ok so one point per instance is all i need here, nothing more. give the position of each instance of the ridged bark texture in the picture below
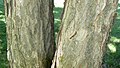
(30, 37)
(84, 32)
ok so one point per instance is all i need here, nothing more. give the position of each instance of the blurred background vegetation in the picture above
(111, 58)
(3, 45)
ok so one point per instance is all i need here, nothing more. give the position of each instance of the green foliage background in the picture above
(112, 56)
(3, 45)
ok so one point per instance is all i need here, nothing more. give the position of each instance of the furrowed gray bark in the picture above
(30, 37)
(84, 33)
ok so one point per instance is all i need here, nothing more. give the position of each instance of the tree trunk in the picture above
(84, 33)
(30, 37)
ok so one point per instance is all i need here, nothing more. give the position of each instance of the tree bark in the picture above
(84, 33)
(30, 37)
